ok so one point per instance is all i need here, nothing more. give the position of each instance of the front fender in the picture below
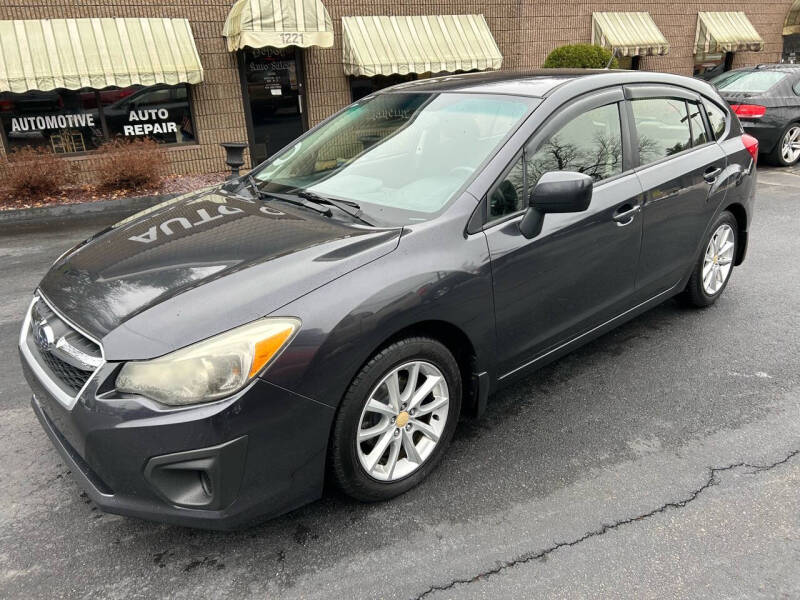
(436, 274)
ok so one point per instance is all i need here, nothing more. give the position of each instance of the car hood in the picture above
(200, 264)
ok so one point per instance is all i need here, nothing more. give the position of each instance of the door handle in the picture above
(710, 174)
(624, 214)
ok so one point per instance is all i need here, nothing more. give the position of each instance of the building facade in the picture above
(284, 65)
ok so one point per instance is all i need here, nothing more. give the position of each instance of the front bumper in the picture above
(264, 449)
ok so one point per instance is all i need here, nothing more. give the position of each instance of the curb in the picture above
(118, 207)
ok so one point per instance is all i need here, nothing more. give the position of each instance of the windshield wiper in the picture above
(254, 186)
(343, 205)
(315, 206)
(262, 195)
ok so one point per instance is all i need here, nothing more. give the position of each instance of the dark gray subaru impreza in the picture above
(332, 313)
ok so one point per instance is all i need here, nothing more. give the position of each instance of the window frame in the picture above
(725, 111)
(107, 136)
(701, 110)
(555, 121)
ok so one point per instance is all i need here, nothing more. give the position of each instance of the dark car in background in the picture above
(766, 99)
(332, 313)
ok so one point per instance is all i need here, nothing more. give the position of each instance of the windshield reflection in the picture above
(401, 156)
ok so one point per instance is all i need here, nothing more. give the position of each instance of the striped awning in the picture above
(421, 44)
(725, 32)
(792, 23)
(628, 33)
(96, 53)
(278, 23)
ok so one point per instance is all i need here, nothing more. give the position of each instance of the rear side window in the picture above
(716, 117)
(754, 82)
(662, 126)
(699, 133)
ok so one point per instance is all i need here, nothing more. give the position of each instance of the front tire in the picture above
(715, 265)
(787, 151)
(396, 419)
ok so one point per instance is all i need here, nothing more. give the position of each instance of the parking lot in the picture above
(661, 460)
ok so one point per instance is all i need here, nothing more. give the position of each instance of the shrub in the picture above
(130, 164)
(579, 56)
(31, 172)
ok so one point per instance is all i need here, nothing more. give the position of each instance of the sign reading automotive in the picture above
(152, 114)
(51, 122)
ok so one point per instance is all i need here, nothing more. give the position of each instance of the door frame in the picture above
(299, 58)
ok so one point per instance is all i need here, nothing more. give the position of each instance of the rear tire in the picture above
(413, 389)
(787, 150)
(714, 267)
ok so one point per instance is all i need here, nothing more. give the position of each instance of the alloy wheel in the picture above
(790, 145)
(718, 259)
(402, 421)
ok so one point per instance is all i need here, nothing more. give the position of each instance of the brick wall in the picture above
(525, 30)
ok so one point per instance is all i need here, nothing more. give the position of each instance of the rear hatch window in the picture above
(747, 82)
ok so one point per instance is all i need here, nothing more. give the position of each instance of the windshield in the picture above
(748, 81)
(400, 156)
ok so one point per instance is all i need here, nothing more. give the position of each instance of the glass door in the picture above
(273, 78)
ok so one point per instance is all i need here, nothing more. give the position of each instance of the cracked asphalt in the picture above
(660, 461)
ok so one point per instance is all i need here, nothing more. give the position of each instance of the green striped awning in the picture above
(628, 33)
(421, 44)
(96, 53)
(278, 23)
(725, 32)
(792, 23)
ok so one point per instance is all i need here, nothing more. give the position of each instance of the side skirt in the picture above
(584, 338)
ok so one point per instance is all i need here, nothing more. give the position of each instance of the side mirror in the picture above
(556, 192)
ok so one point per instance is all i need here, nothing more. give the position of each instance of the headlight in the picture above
(211, 369)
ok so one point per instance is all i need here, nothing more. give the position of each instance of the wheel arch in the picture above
(740, 214)
(455, 340)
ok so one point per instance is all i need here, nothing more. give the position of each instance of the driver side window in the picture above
(591, 143)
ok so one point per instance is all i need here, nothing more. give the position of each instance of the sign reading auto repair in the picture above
(149, 121)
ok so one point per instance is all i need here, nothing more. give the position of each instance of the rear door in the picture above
(580, 270)
(679, 169)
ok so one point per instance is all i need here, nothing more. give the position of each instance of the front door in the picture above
(273, 82)
(580, 270)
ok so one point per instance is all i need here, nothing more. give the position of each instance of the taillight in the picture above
(751, 145)
(749, 111)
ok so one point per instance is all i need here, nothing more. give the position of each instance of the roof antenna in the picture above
(610, 60)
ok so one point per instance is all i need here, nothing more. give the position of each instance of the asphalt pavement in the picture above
(660, 461)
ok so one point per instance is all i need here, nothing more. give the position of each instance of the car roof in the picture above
(768, 67)
(544, 82)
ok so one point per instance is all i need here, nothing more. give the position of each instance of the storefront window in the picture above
(161, 114)
(629, 63)
(67, 122)
(364, 86)
(791, 48)
(707, 66)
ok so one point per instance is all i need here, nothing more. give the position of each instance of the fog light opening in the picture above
(205, 481)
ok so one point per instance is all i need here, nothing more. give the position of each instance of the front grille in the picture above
(73, 377)
(69, 356)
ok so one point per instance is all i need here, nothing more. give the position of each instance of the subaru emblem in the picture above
(43, 335)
